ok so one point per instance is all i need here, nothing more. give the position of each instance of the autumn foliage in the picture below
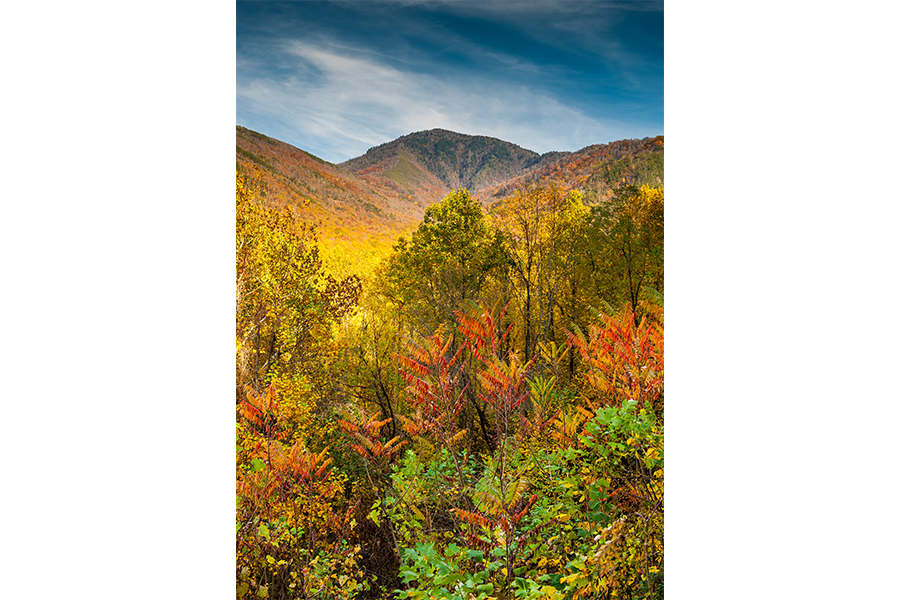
(478, 415)
(623, 360)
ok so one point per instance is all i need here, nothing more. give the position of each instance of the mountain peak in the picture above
(458, 160)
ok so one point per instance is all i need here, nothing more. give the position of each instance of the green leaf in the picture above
(375, 515)
(256, 464)
(426, 550)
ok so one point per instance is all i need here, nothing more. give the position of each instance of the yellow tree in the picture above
(626, 236)
(543, 226)
(285, 307)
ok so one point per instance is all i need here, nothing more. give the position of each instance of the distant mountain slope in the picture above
(595, 170)
(455, 160)
(345, 206)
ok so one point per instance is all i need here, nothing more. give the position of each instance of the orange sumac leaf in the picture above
(472, 518)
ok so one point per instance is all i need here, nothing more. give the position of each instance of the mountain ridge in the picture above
(458, 160)
(384, 192)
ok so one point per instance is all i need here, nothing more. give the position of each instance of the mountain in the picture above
(377, 196)
(456, 160)
(429, 164)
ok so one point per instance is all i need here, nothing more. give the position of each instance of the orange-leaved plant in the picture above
(624, 360)
(432, 375)
(503, 385)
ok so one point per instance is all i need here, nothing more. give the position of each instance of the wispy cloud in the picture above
(354, 102)
(573, 28)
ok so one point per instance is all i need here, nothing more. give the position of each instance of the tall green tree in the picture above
(448, 262)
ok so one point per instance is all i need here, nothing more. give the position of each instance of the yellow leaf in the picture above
(550, 592)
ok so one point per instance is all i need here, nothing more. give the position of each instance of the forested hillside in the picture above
(455, 159)
(596, 170)
(344, 206)
(477, 410)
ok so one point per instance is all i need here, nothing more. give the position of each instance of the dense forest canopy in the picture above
(475, 413)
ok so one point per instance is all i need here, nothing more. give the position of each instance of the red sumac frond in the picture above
(624, 359)
(473, 518)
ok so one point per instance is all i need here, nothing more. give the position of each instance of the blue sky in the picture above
(336, 78)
